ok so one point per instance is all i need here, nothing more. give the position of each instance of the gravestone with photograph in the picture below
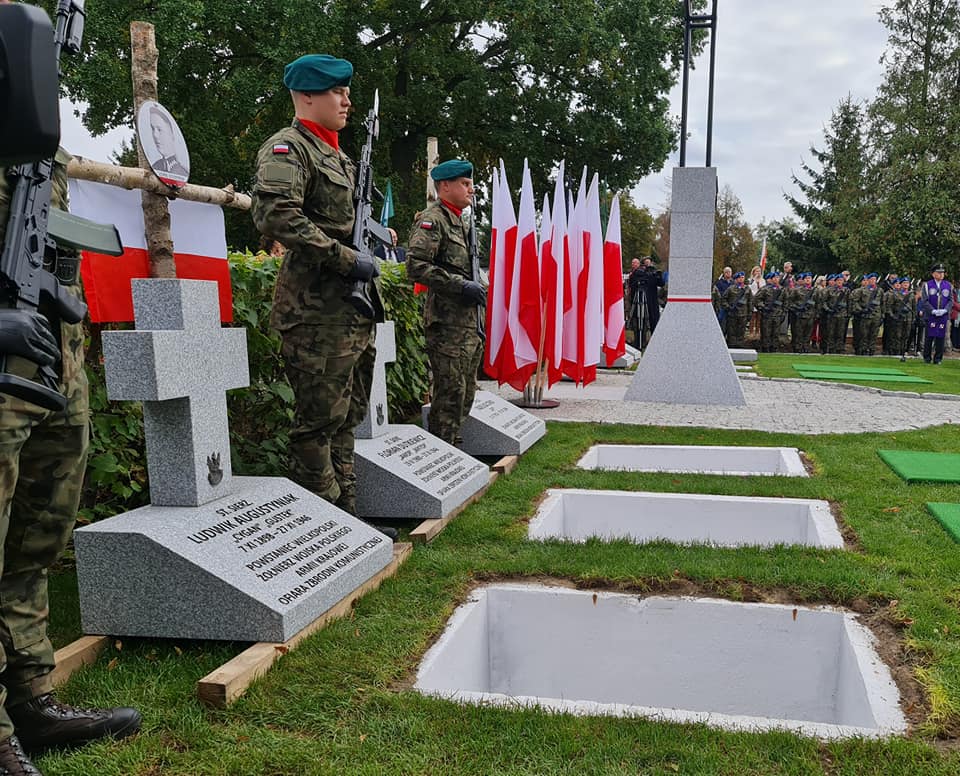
(404, 471)
(214, 556)
(496, 426)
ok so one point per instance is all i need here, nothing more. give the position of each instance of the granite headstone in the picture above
(246, 559)
(496, 426)
(404, 471)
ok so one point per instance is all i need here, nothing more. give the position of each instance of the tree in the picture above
(733, 242)
(915, 133)
(585, 81)
(636, 231)
(834, 210)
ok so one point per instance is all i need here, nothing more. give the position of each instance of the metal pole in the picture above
(713, 63)
(686, 83)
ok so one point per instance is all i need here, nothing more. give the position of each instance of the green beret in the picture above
(453, 168)
(317, 73)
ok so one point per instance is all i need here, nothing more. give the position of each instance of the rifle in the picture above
(774, 303)
(365, 226)
(475, 264)
(24, 281)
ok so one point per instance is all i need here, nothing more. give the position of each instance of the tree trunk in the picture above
(156, 214)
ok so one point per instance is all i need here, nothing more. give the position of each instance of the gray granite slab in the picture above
(376, 420)
(258, 565)
(691, 236)
(179, 362)
(743, 354)
(496, 426)
(409, 473)
(694, 190)
(630, 357)
(688, 279)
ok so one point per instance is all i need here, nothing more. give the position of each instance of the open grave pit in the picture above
(696, 459)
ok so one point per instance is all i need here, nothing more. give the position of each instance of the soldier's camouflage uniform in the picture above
(865, 307)
(770, 303)
(898, 313)
(303, 197)
(737, 305)
(833, 319)
(42, 460)
(803, 314)
(438, 257)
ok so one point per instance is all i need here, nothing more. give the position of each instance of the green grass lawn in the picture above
(340, 704)
(944, 377)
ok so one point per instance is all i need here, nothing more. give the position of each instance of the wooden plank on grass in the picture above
(82, 652)
(427, 530)
(506, 464)
(223, 686)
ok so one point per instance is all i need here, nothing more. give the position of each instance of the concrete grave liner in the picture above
(738, 666)
(696, 459)
(684, 518)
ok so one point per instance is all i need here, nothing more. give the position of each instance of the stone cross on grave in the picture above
(375, 421)
(179, 362)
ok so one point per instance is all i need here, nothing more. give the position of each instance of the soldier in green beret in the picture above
(439, 257)
(303, 198)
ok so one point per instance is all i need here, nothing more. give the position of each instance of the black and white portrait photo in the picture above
(163, 144)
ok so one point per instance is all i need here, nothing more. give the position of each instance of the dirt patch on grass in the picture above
(850, 539)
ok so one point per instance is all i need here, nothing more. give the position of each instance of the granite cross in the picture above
(179, 362)
(374, 422)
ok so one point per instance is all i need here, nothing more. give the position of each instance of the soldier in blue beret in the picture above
(303, 198)
(439, 258)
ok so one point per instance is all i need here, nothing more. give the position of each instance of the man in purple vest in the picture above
(936, 299)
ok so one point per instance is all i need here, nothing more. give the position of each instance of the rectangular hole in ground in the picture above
(684, 518)
(690, 459)
(731, 665)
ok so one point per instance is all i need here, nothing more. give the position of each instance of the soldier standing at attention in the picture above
(737, 306)
(43, 457)
(803, 312)
(438, 257)
(769, 301)
(303, 198)
(865, 306)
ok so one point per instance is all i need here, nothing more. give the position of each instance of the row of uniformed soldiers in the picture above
(803, 306)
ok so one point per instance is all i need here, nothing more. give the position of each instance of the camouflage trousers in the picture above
(43, 456)
(896, 331)
(455, 355)
(736, 330)
(865, 332)
(330, 369)
(801, 332)
(770, 333)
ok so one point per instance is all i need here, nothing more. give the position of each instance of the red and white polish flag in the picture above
(553, 257)
(524, 306)
(592, 278)
(499, 361)
(199, 245)
(614, 332)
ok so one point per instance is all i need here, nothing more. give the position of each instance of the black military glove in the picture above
(364, 268)
(474, 293)
(25, 333)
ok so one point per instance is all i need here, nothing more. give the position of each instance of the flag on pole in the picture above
(524, 302)
(614, 334)
(763, 257)
(574, 287)
(592, 277)
(552, 273)
(499, 361)
(199, 246)
(387, 212)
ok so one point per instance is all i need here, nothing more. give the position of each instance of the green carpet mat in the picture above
(917, 466)
(861, 377)
(815, 367)
(949, 517)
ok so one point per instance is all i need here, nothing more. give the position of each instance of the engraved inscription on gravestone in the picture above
(496, 426)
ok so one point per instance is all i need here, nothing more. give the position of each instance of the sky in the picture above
(782, 67)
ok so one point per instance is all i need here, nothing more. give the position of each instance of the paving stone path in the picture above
(773, 404)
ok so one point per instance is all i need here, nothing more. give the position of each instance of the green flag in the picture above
(387, 212)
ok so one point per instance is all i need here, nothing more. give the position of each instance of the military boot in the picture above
(13, 760)
(44, 723)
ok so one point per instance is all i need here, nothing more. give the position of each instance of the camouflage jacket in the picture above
(737, 301)
(898, 305)
(73, 380)
(803, 301)
(833, 302)
(303, 197)
(865, 302)
(438, 256)
(771, 301)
